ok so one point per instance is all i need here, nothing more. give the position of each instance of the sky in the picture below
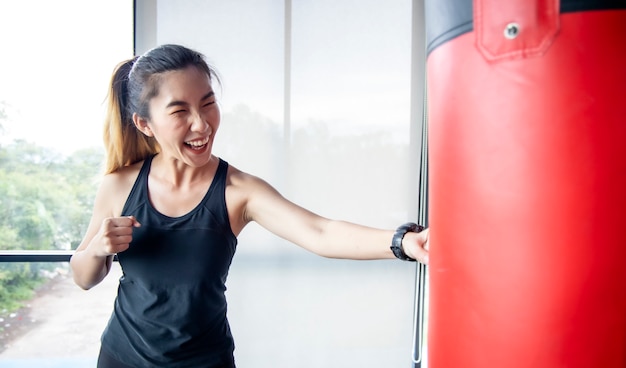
(55, 68)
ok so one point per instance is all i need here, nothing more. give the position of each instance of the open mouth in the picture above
(197, 144)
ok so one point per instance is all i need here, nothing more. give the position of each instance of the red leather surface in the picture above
(527, 201)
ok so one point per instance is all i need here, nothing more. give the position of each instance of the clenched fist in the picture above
(115, 234)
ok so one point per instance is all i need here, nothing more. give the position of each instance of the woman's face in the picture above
(184, 116)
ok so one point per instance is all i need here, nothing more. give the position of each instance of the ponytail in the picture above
(125, 145)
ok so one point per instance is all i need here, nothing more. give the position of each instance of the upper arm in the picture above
(258, 201)
(267, 207)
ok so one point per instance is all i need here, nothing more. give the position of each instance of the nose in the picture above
(200, 124)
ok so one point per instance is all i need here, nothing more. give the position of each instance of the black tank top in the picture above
(170, 309)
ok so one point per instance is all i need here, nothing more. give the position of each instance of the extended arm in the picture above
(323, 236)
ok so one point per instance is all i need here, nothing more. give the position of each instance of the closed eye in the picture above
(209, 98)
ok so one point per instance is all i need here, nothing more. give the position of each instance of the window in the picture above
(57, 57)
(56, 64)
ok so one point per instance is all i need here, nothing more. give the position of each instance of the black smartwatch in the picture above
(396, 241)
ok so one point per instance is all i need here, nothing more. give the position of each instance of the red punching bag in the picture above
(527, 183)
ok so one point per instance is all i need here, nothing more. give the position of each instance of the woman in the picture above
(171, 211)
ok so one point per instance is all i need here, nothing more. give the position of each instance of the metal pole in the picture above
(419, 113)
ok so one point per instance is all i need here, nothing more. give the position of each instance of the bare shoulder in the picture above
(115, 188)
(244, 182)
(250, 198)
(243, 191)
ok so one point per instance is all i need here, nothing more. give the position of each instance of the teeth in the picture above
(198, 143)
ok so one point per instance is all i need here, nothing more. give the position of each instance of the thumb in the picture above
(134, 220)
(421, 246)
(425, 236)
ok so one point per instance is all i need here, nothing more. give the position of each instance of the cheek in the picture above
(215, 119)
(164, 130)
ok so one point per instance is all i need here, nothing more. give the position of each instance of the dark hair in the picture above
(134, 83)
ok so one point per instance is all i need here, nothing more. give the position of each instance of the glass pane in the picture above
(60, 324)
(351, 109)
(349, 159)
(57, 58)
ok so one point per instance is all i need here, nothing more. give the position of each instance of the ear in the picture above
(142, 125)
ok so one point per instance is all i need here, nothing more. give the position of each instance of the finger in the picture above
(426, 234)
(126, 221)
(135, 223)
(115, 244)
(420, 250)
(118, 230)
(422, 255)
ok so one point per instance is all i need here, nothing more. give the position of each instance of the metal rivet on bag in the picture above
(511, 31)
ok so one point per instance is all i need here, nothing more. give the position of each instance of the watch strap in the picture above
(396, 241)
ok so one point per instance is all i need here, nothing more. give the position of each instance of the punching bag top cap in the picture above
(448, 19)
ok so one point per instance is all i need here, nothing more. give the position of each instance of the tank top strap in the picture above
(139, 193)
(144, 171)
(220, 174)
(218, 185)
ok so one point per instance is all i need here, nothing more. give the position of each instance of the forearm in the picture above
(89, 269)
(340, 239)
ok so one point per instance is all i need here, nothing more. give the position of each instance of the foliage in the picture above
(45, 203)
(17, 283)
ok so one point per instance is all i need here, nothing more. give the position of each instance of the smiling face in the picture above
(184, 116)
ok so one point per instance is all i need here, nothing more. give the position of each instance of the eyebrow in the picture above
(183, 103)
